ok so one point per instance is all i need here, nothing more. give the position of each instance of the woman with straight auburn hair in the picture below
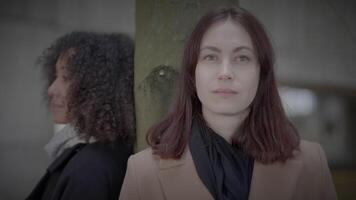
(227, 136)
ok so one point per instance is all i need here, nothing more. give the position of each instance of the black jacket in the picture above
(93, 171)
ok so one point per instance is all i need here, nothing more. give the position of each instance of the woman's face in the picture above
(227, 72)
(58, 90)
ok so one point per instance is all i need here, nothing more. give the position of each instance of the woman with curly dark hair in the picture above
(89, 88)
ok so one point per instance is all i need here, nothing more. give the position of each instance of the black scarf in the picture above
(223, 168)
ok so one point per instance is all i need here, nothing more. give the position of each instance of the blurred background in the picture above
(315, 43)
(27, 27)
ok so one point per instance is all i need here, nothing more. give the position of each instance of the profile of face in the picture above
(227, 71)
(58, 90)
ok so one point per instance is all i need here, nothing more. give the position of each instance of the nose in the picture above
(226, 71)
(52, 89)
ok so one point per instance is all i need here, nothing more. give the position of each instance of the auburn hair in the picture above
(267, 134)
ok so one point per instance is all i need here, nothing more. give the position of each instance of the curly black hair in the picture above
(100, 71)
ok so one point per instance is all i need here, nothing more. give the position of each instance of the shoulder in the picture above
(145, 155)
(100, 151)
(99, 158)
(141, 177)
(96, 171)
(147, 160)
(308, 145)
(315, 173)
(311, 155)
(313, 161)
(310, 152)
(144, 168)
(144, 160)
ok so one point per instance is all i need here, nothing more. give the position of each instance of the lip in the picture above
(56, 105)
(225, 92)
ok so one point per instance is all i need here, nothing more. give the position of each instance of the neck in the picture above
(224, 125)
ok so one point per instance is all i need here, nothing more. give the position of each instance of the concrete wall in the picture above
(315, 39)
(26, 28)
(315, 43)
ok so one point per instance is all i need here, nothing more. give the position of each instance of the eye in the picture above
(242, 58)
(65, 77)
(210, 57)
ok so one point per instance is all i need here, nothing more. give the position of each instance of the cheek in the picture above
(204, 74)
(251, 84)
(201, 81)
(65, 91)
(253, 81)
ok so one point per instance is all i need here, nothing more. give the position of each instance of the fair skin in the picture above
(57, 92)
(226, 76)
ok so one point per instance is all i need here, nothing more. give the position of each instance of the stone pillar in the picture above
(161, 30)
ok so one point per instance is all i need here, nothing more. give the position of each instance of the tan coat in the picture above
(305, 177)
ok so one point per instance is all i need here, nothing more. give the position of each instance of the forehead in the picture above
(63, 59)
(226, 33)
(61, 65)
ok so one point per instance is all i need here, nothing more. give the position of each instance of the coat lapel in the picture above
(275, 181)
(180, 180)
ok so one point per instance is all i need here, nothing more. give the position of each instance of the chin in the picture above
(60, 120)
(228, 110)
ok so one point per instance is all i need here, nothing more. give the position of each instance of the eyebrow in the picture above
(212, 48)
(243, 48)
(237, 49)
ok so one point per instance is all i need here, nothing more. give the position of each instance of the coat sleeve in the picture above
(327, 190)
(130, 188)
